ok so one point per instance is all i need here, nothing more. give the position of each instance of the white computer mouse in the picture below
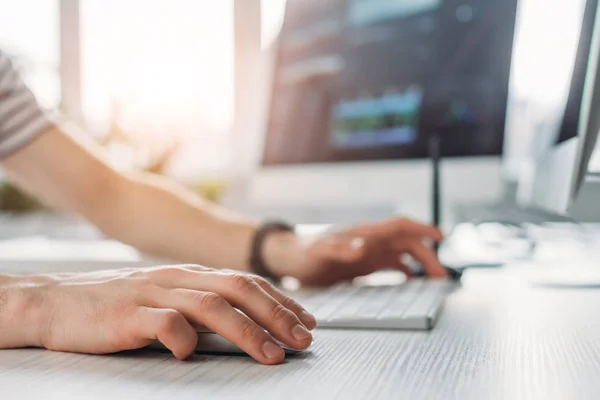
(211, 342)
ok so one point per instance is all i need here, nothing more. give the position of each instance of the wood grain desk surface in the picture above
(498, 338)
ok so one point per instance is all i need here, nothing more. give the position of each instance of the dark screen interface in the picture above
(373, 79)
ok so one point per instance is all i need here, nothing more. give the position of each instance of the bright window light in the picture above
(165, 65)
(32, 40)
(272, 12)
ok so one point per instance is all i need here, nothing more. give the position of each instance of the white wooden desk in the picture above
(497, 339)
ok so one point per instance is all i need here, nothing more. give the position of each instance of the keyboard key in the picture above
(405, 296)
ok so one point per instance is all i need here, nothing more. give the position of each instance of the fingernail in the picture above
(308, 318)
(300, 333)
(271, 350)
(357, 243)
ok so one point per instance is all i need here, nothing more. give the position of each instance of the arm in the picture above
(110, 311)
(147, 212)
(162, 218)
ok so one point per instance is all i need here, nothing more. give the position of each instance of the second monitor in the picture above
(574, 124)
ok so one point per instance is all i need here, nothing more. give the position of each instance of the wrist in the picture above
(21, 314)
(283, 253)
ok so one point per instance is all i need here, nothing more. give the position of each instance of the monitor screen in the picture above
(373, 79)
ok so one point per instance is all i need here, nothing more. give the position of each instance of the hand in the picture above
(118, 310)
(358, 251)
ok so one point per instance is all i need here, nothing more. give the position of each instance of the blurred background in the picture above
(275, 108)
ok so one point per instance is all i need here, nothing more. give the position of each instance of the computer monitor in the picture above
(560, 170)
(372, 80)
(546, 37)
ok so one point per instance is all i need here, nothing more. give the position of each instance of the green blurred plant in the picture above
(211, 190)
(14, 199)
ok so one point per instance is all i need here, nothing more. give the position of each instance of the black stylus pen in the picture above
(434, 155)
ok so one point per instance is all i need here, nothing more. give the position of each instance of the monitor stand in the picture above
(510, 190)
(585, 208)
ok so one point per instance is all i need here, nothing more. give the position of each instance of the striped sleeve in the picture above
(21, 117)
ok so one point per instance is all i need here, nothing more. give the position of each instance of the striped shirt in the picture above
(21, 117)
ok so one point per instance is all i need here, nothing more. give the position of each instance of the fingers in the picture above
(226, 291)
(398, 264)
(307, 319)
(185, 278)
(244, 293)
(214, 312)
(427, 258)
(407, 226)
(169, 327)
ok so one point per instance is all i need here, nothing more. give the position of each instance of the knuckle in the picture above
(265, 284)
(210, 303)
(243, 283)
(279, 313)
(197, 267)
(248, 330)
(161, 272)
(290, 304)
(136, 275)
(262, 282)
(169, 270)
(170, 320)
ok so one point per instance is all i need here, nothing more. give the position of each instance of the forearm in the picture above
(147, 212)
(165, 219)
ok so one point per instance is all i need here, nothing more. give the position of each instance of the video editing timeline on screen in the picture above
(377, 121)
(372, 79)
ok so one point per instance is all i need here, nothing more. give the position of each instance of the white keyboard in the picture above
(415, 304)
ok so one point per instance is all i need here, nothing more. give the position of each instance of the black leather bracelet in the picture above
(257, 263)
